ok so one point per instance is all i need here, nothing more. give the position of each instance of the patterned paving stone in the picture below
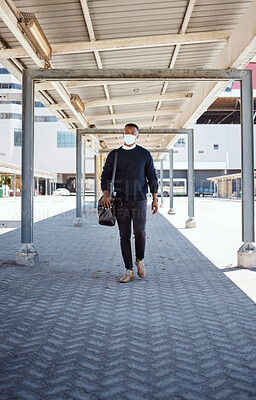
(71, 331)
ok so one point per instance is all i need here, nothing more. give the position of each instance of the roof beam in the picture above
(10, 19)
(138, 114)
(124, 44)
(139, 74)
(72, 84)
(90, 29)
(235, 54)
(183, 29)
(145, 125)
(137, 99)
(114, 131)
(9, 14)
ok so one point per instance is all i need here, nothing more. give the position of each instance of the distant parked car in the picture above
(202, 192)
(61, 192)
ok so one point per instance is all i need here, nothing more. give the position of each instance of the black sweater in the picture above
(134, 173)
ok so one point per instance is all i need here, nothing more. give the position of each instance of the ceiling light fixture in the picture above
(33, 32)
(77, 103)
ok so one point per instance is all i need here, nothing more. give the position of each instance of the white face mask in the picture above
(129, 139)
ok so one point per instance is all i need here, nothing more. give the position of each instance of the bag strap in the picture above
(113, 174)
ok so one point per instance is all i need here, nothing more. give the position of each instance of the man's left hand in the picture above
(154, 206)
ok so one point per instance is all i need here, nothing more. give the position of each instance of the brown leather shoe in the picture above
(128, 276)
(141, 269)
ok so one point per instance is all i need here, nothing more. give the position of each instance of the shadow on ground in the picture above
(70, 330)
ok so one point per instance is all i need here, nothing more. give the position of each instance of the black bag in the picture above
(107, 216)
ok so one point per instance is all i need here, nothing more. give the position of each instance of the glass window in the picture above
(10, 116)
(180, 143)
(10, 86)
(4, 71)
(43, 118)
(66, 139)
(39, 104)
(215, 147)
(17, 137)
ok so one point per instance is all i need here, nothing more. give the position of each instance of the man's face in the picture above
(131, 130)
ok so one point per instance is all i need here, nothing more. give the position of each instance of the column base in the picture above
(78, 221)
(171, 211)
(191, 223)
(27, 255)
(246, 256)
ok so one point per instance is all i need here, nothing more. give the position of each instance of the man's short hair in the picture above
(133, 125)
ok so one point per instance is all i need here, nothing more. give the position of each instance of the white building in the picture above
(54, 144)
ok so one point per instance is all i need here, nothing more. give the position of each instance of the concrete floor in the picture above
(217, 235)
(71, 331)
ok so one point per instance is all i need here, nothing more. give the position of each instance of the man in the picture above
(135, 171)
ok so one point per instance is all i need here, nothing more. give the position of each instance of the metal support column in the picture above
(95, 181)
(37, 184)
(162, 182)
(14, 185)
(246, 255)
(191, 223)
(84, 150)
(27, 254)
(78, 220)
(171, 210)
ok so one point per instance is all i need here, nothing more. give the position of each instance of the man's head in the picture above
(131, 133)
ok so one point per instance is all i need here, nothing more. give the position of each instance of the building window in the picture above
(43, 118)
(215, 147)
(10, 86)
(201, 151)
(39, 104)
(37, 118)
(17, 137)
(66, 139)
(180, 143)
(10, 116)
(4, 71)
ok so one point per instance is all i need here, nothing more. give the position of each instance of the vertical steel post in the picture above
(84, 150)
(78, 173)
(247, 159)
(171, 210)
(162, 182)
(27, 254)
(14, 185)
(27, 200)
(37, 184)
(95, 181)
(246, 255)
(191, 223)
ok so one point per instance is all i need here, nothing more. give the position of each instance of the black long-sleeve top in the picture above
(134, 173)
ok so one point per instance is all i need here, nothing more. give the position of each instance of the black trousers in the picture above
(135, 212)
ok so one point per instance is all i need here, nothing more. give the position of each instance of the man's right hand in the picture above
(106, 199)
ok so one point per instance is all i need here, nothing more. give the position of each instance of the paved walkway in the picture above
(71, 331)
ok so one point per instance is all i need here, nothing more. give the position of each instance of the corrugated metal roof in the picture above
(63, 22)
